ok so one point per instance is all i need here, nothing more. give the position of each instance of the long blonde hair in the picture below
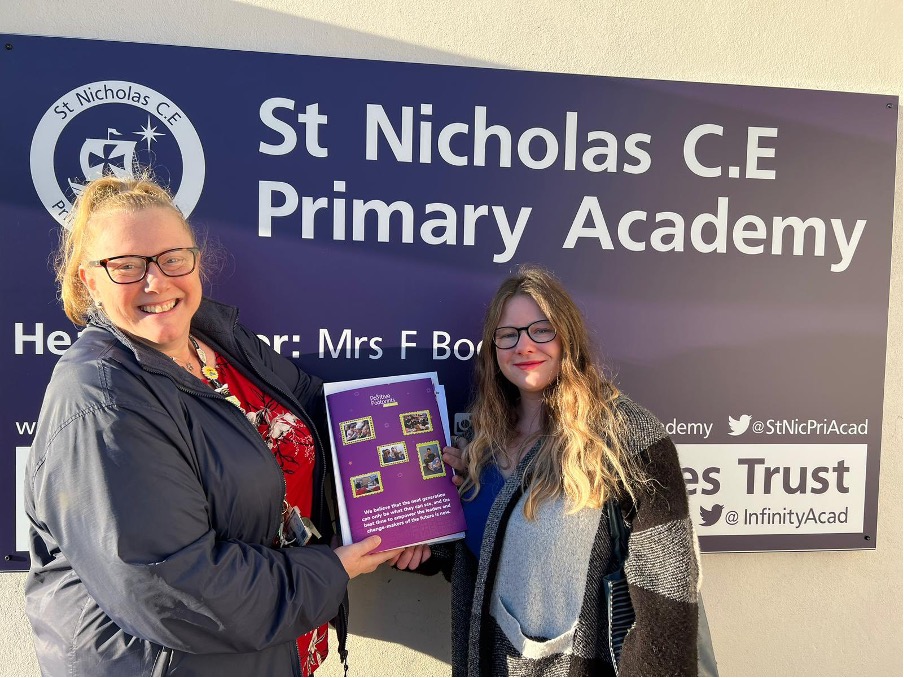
(581, 454)
(105, 194)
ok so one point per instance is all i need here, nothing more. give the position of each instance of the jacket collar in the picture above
(213, 320)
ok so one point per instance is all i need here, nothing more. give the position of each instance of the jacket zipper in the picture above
(269, 453)
(257, 436)
(207, 393)
(307, 420)
(293, 402)
(343, 649)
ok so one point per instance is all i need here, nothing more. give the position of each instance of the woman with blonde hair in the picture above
(552, 441)
(177, 485)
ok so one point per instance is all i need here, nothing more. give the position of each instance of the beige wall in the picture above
(771, 614)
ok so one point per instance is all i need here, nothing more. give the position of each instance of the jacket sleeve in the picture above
(663, 572)
(118, 491)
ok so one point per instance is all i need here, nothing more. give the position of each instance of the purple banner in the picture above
(729, 245)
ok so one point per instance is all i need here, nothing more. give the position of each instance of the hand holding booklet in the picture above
(387, 437)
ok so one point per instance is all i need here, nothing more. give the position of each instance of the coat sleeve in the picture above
(663, 573)
(118, 491)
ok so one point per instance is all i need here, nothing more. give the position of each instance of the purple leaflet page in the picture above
(388, 440)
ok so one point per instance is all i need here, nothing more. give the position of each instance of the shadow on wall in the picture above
(235, 25)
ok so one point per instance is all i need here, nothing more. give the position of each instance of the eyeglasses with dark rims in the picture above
(132, 268)
(539, 331)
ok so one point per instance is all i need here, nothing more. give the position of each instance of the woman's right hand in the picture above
(357, 558)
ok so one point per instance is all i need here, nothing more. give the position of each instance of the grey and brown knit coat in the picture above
(662, 571)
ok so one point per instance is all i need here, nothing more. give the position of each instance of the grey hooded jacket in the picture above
(153, 506)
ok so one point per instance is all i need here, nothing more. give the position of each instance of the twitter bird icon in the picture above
(739, 425)
(711, 516)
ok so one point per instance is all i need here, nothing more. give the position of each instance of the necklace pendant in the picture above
(210, 372)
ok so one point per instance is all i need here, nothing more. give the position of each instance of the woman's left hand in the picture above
(411, 557)
(454, 457)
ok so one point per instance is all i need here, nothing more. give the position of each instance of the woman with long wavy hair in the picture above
(552, 440)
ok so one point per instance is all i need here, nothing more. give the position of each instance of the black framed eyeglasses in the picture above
(132, 268)
(540, 332)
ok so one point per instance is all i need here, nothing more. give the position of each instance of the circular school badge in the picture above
(114, 127)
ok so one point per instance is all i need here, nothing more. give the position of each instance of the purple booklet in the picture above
(387, 436)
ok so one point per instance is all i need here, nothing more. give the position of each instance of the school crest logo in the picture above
(114, 126)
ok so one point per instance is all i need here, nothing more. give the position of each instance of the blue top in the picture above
(477, 508)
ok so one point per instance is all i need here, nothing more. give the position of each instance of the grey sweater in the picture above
(532, 604)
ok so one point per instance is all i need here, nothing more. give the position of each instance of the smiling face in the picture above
(158, 309)
(530, 366)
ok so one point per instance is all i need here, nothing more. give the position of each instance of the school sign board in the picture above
(729, 245)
